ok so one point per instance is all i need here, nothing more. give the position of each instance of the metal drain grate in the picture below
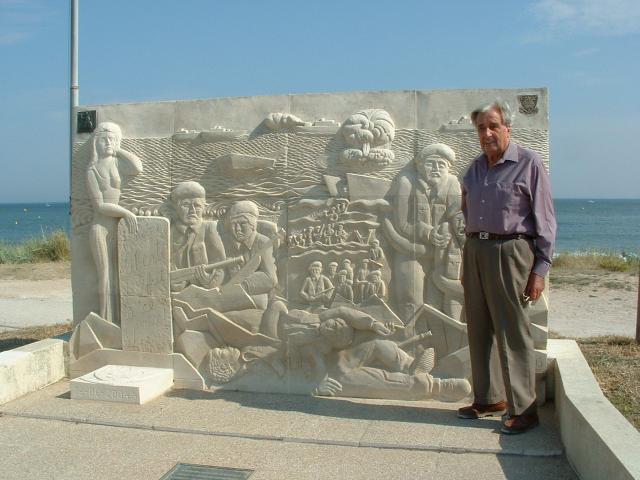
(185, 471)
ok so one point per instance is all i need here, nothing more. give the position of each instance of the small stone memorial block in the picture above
(143, 260)
(123, 384)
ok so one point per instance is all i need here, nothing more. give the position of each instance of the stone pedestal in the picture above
(121, 383)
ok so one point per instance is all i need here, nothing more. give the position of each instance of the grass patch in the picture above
(591, 261)
(615, 362)
(54, 247)
(24, 336)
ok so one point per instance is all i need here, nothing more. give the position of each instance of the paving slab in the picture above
(299, 419)
(280, 437)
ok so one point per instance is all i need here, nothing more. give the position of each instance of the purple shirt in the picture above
(513, 196)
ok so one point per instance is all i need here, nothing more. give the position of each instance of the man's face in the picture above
(190, 210)
(106, 144)
(336, 332)
(433, 169)
(493, 134)
(316, 271)
(241, 228)
(333, 269)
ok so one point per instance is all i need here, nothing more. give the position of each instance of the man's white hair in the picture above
(187, 190)
(508, 116)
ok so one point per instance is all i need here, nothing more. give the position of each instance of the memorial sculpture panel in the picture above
(294, 253)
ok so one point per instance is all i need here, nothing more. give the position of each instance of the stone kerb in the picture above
(31, 367)
(599, 441)
(291, 243)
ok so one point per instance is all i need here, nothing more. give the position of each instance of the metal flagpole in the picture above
(74, 92)
(74, 55)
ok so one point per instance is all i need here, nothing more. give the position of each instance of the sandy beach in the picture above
(581, 304)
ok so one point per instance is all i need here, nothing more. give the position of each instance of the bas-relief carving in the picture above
(103, 182)
(350, 286)
(369, 134)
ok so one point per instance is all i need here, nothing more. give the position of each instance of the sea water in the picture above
(584, 225)
(22, 221)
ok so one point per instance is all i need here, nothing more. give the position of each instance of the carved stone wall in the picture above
(314, 240)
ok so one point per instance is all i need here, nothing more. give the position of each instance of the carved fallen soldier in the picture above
(373, 368)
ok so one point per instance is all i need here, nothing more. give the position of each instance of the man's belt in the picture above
(496, 236)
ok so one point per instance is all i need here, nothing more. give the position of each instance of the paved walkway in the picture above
(280, 437)
(25, 303)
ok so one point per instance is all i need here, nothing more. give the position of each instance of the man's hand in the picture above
(328, 387)
(535, 286)
(380, 328)
(440, 240)
(203, 278)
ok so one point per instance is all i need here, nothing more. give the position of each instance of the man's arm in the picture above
(545, 224)
(265, 278)
(215, 252)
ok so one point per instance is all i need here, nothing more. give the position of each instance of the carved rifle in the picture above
(189, 274)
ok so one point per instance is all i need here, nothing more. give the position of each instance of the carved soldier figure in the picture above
(317, 288)
(424, 198)
(308, 236)
(346, 265)
(247, 284)
(376, 254)
(376, 286)
(317, 234)
(194, 241)
(341, 234)
(329, 233)
(361, 281)
(332, 272)
(342, 287)
(258, 275)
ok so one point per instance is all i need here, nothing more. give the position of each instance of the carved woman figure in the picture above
(107, 162)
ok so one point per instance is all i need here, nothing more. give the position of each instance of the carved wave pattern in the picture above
(196, 161)
(300, 162)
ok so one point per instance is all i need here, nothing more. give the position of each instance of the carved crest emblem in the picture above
(528, 104)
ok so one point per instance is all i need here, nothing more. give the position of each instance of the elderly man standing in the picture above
(511, 227)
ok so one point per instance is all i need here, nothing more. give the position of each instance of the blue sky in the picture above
(584, 51)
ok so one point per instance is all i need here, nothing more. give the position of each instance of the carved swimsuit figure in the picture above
(103, 185)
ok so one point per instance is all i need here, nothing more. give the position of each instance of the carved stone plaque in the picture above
(145, 311)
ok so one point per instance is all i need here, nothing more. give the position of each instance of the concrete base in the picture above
(599, 441)
(31, 367)
(120, 383)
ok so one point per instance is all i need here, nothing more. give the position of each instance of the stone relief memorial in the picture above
(304, 244)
